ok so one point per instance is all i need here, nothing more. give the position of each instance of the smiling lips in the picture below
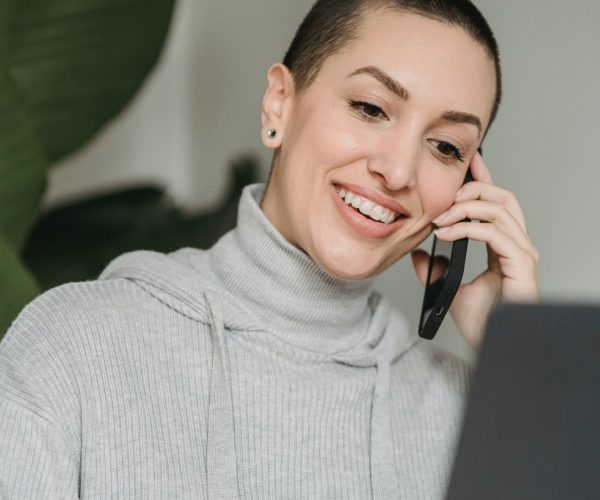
(367, 207)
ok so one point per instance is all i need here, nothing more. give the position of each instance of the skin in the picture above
(351, 129)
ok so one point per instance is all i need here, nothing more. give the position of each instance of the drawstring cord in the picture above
(221, 466)
(383, 469)
(384, 481)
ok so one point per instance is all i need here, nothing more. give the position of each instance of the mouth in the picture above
(368, 208)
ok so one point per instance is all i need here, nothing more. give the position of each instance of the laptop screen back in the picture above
(532, 426)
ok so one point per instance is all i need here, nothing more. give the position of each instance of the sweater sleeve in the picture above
(38, 454)
(35, 461)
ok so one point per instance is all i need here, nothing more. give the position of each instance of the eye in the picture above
(447, 151)
(368, 111)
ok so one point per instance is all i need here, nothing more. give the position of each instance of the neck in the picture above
(285, 288)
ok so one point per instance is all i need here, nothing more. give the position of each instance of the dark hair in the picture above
(331, 24)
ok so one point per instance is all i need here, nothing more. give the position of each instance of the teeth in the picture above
(367, 207)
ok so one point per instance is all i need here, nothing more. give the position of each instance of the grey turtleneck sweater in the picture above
(244, 371)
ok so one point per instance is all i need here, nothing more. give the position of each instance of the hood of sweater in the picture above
(266, 284)
(253, 279)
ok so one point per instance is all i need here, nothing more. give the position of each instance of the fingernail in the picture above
(441, 231)
(440, 218)
(459, 193)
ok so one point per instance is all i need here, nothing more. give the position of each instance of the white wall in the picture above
(198, 110)
(543, 145)
(201, 108)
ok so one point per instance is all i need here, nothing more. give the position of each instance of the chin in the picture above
(346, 274)
(351, 266)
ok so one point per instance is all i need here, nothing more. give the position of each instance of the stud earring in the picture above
(272, 133)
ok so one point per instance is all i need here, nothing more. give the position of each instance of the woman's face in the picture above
(389, 125)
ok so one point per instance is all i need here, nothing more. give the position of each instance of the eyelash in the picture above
(361, 108)
(377, 113)
(455, 152)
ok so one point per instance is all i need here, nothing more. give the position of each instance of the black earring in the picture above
(272, 133)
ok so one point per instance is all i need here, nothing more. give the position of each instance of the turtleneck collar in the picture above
(317, 311)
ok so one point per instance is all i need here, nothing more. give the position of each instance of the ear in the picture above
(276, 105)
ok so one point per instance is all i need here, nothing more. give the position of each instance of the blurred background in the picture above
(176, 152)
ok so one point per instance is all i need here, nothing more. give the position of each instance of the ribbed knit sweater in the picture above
(244, 371)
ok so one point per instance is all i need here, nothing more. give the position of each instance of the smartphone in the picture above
(439, 293)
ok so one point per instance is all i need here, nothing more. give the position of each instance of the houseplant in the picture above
(66, 69)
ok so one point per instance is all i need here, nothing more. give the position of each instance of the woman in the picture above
(266, 367)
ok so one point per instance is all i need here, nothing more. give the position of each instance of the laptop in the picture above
(532, 425)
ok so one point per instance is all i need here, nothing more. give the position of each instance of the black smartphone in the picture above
(439, 293)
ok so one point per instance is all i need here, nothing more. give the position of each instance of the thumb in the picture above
(420, 260)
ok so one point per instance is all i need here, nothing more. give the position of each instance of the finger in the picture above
(499, 242)
(486, 211)
(420, 260)
(480, 171)
(517, 268)
(489, 192)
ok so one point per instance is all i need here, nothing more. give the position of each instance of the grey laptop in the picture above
(532, 425)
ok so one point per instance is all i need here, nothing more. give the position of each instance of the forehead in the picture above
(437, 62)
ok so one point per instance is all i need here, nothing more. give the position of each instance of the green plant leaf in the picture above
(17, 286)
(78, 62)
(66, 68)
(22, 165)
(76, 241)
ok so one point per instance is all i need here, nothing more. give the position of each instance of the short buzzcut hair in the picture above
(331, 24)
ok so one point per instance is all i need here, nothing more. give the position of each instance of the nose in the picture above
(396, 160)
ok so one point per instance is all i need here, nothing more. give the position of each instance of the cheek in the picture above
(329, 138)
(437, 194)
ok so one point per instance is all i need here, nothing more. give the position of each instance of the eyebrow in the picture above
(397, 88)
(393, 85)
(460, 117)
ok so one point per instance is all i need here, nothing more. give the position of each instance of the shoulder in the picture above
(53, 332)
(426, 368)
(441, 365)
(46, 321)
(434, 373)
(423, 359)
(71, 306)
(47, 354)
(78, 332)
(437, 359)
(140, 294)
